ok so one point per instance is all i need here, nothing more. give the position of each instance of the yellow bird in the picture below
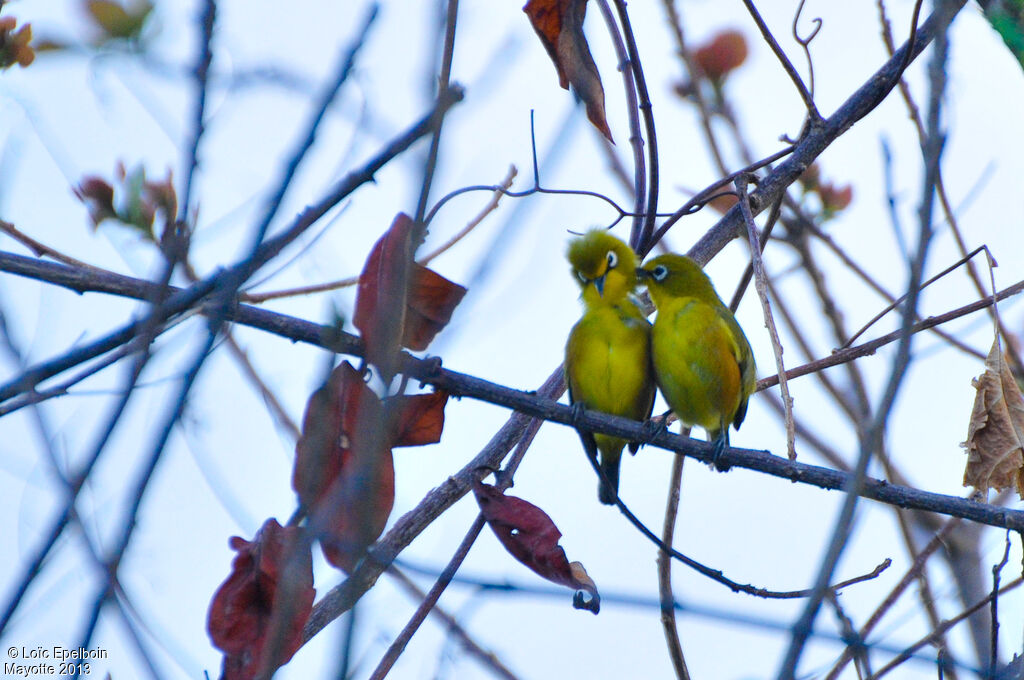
(702, 360)
(608, 356)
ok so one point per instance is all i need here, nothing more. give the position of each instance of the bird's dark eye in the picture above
(613, 259)
(580, 276)
(660, 272)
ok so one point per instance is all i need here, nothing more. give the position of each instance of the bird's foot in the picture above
(654, 427)
(577, 414)
(717, 454)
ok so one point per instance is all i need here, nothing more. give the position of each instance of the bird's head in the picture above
(603, 266)
(676, 276)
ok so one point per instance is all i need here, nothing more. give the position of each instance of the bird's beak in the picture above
(642, 274)
(599, 284)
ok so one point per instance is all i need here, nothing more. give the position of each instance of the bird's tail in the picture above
(606, 493)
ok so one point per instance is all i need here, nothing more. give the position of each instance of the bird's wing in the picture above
(744, 359)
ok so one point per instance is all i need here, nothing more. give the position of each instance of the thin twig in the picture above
(761, 285)
(636, 140)
(668, 610)
(429, 601)
(201, 74)
(40, 249)
(344, 68)
(492, 205)
(813, 117)
(896, 303)
(716, 574)
(444, 89)
(487, 658)
(935, 635)
(997, 570)
(642, 241)
(916, 568)
(872, 438)
(445, 577)
(810, 146)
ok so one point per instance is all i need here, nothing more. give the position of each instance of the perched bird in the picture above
(702, 360)
(607, 356)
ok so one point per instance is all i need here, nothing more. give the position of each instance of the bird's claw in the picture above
(577, 414)
(654, 427)
(717, 453)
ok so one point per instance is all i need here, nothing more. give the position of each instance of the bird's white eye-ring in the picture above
(581, 276)
(660, 272)
(613, 259)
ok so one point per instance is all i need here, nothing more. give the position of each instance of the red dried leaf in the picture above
(355, 511)
(420, 419)
(344, 471)
(559, 24)
(399, 302)
(338, 445)
(531, 537)
(381, 295)
(726, 51)
(431, 301)
(835, 198)
(14, 44)
(328, 428)
(257, 615)
(98, 197)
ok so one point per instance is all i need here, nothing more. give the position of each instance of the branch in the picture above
(536, 405)
(809, 147)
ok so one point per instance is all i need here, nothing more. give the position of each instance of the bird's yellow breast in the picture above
(608, 360)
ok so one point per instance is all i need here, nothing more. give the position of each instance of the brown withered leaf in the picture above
(429, 306)
(399, 302)
(725, 52)
(420, 419)
(344, 475)
(15, 47)
(355, 510)
(328, 429)
(995, 435)
(98, 197)
(242, 621)
(344, 469)
(559, 24)
(528, 533)
(381, 295)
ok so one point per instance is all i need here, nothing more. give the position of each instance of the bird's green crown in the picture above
(677, 276)
(603, 266)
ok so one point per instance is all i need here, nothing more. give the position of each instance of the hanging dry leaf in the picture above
(528, 533)
(348, 511)
(420, 418)
(995, 436)
(380, 297)
(399, 302)
(242, 621)
(559, 24)
(344, 469)
(429, 306)
(14, 44)
(725, 52)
